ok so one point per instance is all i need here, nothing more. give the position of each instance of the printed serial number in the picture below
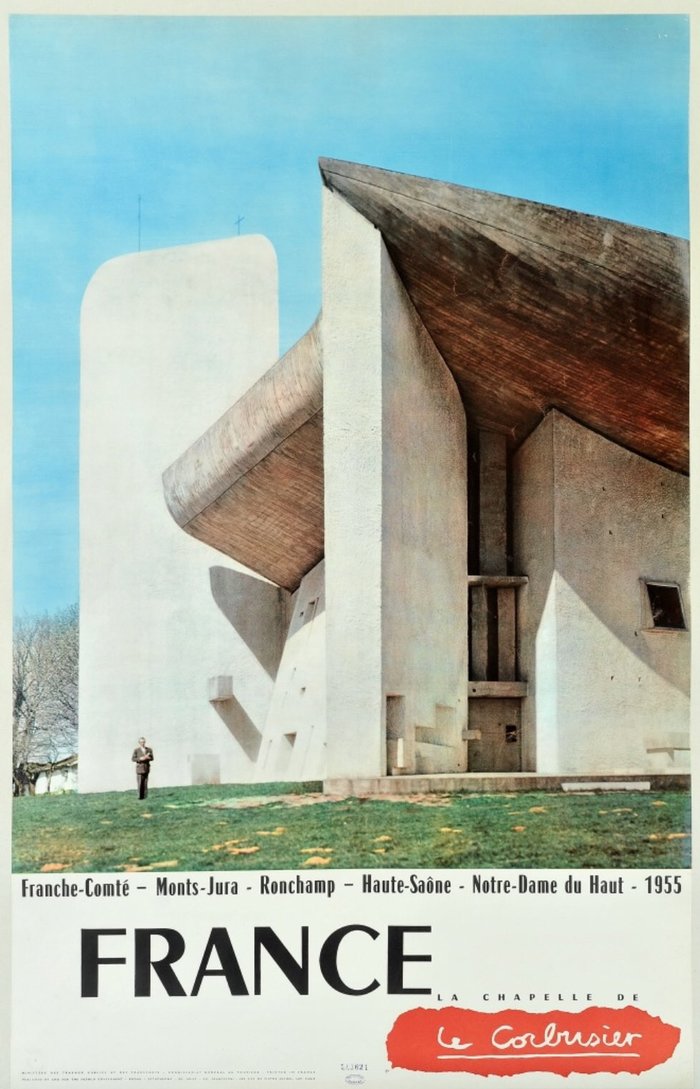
(663, 883)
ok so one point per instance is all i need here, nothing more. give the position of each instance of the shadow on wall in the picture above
(631, 519)
(613, 519)
(257, 610)
(240, 725)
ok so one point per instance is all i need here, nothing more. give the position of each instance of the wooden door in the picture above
(495, 742)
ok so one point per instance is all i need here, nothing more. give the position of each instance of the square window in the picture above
(665, 606)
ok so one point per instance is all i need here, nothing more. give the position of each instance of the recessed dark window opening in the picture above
(665, 604)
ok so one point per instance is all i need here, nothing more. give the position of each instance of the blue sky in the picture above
(209, 119)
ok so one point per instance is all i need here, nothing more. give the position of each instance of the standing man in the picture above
(142, 757)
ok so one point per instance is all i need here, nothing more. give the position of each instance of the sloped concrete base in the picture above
(498, 783)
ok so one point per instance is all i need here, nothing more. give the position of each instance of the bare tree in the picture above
(45, 695)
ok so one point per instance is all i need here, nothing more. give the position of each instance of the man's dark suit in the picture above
(142, 757)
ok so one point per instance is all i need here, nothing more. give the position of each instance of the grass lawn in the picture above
(292, 826)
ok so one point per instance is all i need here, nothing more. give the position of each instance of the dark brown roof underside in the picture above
(534, 307)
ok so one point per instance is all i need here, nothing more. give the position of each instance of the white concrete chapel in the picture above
(442, 541)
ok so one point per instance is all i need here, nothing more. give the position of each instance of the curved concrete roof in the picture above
(252, 485)
(532, 307)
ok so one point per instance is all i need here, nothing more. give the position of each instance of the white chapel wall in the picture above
(352, 458)
(617, 696)
(168, 340)
(424, 613)
(395, 497)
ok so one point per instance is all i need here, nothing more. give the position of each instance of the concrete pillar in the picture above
(493, 517)
(396, 521)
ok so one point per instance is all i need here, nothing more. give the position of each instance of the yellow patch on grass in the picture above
(316, 860)
(168, 864)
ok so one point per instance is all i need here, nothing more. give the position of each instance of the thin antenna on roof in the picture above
(238, 223)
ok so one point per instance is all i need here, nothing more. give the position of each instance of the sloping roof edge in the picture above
(536, 307)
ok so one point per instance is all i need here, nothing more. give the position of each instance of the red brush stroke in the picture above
(591, 1041)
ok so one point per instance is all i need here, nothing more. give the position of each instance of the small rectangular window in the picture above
(663, 606)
